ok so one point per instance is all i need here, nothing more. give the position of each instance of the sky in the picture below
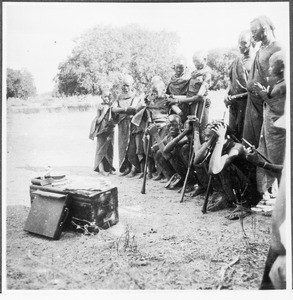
(38, 36)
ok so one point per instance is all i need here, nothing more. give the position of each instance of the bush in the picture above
(20, 84)
(105, 53)
(219, 61)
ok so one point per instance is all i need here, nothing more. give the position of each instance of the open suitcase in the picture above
(48, 214)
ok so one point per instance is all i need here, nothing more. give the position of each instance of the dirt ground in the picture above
(158, 243)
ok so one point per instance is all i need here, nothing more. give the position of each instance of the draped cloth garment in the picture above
(254, 109)
(129, 136)
(238, 80)
(272, 139)
(200, 79)
(178, 85)
(103, 129)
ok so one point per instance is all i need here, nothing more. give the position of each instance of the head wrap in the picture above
(264, 22)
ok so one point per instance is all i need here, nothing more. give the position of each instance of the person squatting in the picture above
(166, 136)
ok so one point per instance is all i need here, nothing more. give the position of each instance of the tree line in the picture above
(104, 53)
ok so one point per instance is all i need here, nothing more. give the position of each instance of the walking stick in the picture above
(146, 165)
(191, 152)
(147, 156)
(191, 155)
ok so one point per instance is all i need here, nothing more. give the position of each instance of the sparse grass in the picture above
(51, 104)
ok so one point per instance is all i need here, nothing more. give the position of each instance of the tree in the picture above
(219, 61)
(105, 53)
(20, 84)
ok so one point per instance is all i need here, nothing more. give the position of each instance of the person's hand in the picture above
(251, 155)
(130, 110)
(147, 100)
(155, 148)
(220, 129)
(228, 100)
(191, 120)
(152, 129)
(258, 88)
(171, 100)
(188, 125)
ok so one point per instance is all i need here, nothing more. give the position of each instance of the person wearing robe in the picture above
(274, 275)
(103, 129)
(238, 75)
(178, 84)
(262, 30)
(196, 93)
(272, 139)
(130, 144)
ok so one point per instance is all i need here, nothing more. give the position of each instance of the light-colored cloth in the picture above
(254, 108)
(102, 128)
(126, 129)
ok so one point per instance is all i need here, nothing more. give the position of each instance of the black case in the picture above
(97, 209)
(48, 214)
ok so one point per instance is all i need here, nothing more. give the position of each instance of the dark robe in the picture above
(238, 73)
(254, 109)
(198, 78)
(178, 85)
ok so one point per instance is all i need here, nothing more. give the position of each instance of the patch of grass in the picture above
(52, 104)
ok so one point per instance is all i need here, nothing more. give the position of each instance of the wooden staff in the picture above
(146, 165)
(147, 156)
(191, 152)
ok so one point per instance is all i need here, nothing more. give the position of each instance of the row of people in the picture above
(173, 122)
(188, 96)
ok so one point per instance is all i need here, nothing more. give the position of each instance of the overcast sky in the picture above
(38, 36)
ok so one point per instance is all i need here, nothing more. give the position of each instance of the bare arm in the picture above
(219, 161)
(179, 138)
(184, 99)
(154, 132)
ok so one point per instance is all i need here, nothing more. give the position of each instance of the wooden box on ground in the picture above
(96, 208)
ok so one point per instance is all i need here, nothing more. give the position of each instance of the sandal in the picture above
(218, 202)
(239, 211)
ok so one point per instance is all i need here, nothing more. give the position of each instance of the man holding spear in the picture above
(236, 99)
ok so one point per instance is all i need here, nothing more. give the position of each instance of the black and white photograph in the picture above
(146, 146)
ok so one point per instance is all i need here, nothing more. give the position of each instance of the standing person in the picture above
(197, 92)
(274, 276)
(178, 84)
(103, 129)
(272, 139)
(262, 30)
(238, 74)
(131, 151)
